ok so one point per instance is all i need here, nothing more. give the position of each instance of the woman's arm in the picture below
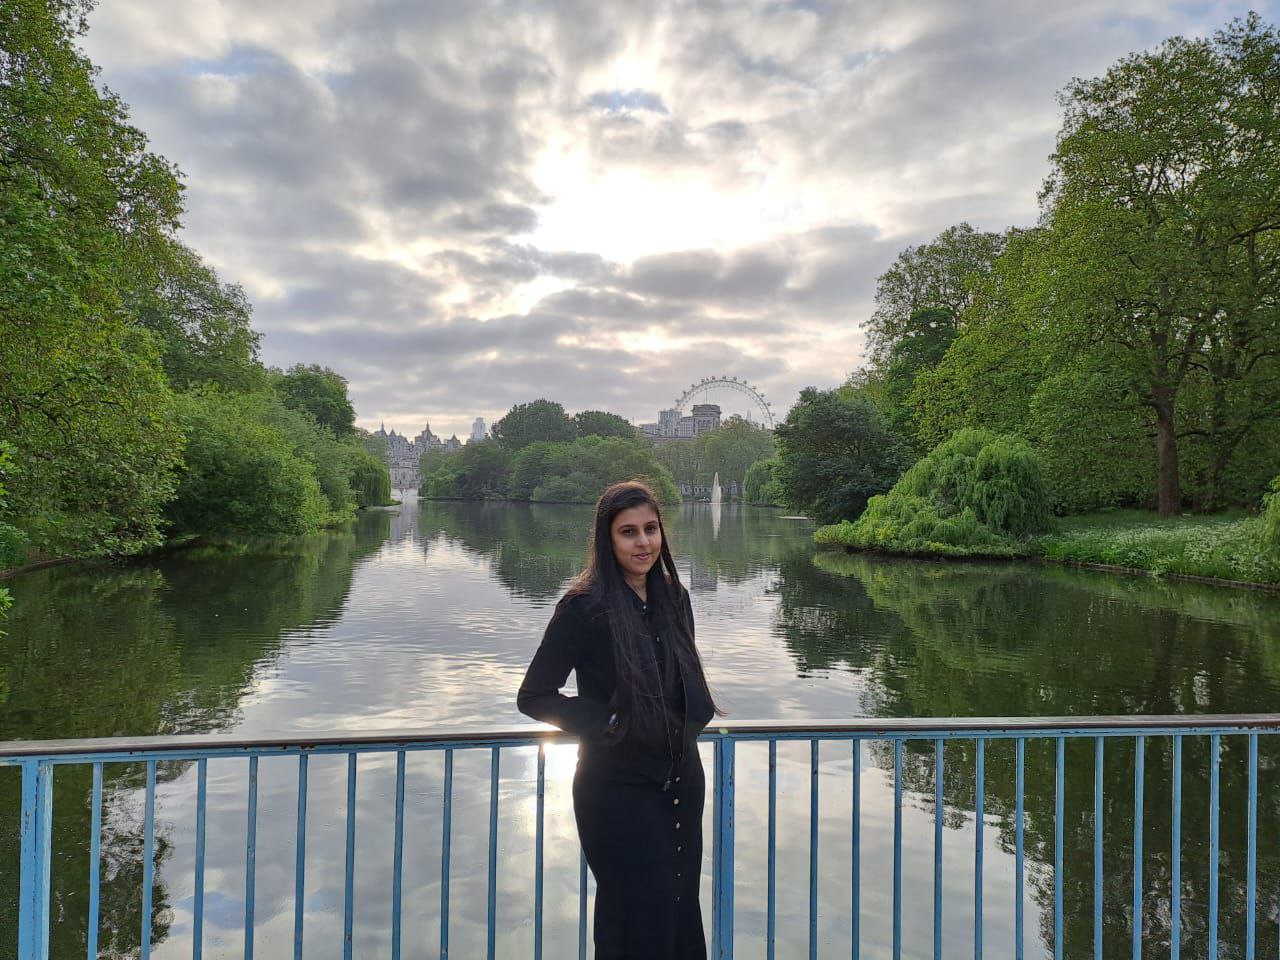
(540, 695)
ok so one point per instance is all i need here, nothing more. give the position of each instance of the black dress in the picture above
(638, 806)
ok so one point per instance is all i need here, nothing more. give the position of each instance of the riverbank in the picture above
(1227, 549)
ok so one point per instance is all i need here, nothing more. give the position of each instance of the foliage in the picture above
(328, 455)
(201, 323)
(242, 476)
(578, 472)
(728, 450)
(835, 452)
(1224, 547)
(599, 423)
(476, 472)
(320, 393)
(916, 525)
(83, 206)
(977, 494)
(369, 478)
(527, 423)
(1271, 517)
(939, 276)
(1164, 203)
(761, 485)
(12, 540)
(544, 471)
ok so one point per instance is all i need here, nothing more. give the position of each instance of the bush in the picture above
(976, 494)
(1271, 517)
(240, 475)
(1223, 547)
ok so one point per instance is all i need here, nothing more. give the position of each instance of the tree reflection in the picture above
(987, 640)
(162, 647)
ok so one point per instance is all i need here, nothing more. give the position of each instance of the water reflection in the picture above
(426, 616)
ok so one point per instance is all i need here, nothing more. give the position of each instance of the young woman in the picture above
(626, 626)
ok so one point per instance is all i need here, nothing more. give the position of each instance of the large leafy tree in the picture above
(319, 392)
(201, 322)
(939, 275)
(82, 204)
(836, 450)
(527, 423)
(1164, 204)
(600, 423)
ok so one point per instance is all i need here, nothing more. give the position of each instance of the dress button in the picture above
(677, 779)
(677, 824)
(675, 802)
(678, 849)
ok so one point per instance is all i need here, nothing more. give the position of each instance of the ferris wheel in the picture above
(708, 385)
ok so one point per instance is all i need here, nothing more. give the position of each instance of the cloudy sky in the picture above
(464, 205)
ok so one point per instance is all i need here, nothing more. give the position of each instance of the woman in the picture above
(626, 626)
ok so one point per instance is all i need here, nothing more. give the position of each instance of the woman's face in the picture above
(637, 540)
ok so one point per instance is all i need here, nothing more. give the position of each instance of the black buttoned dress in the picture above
(639, 806)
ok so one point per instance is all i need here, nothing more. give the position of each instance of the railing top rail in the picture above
(880, 727)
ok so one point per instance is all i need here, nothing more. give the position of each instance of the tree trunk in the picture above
(1168, 485)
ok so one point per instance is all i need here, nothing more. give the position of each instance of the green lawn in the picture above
(1227, 546)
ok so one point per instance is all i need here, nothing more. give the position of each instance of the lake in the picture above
(426, 617)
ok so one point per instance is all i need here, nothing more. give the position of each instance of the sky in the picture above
(460, 206)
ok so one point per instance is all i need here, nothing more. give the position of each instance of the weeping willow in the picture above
(977, 494)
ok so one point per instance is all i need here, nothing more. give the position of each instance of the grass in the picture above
(1227, 547)
(1230, 546)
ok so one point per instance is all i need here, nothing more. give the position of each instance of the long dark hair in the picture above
(639, 698)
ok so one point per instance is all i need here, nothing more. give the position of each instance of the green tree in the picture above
(83, 204)
(527, 423)
(319, 392)
(202, 323)
(761, 483)
(476, 472)
(241, 476)
(599, 423)
(732, 448)
(920, 347)
(1164, 202)
(370, 480)
(836, 450)
(578, 472)
(938, 275)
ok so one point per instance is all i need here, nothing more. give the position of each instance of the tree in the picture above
(761, 483)
(598, 423)
(835, 451)
(923, 343)
(1164, 203)
(731, 449)
(476, 472)
(83, 205)
(202, 323)
(938, 275)
(526, 423)
(319, 392)
(241, 476)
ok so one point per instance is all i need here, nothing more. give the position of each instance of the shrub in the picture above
(976, 494)
(241, 476)
(1271, 517)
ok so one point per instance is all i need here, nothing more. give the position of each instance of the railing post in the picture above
(35, 832)
(722, 838)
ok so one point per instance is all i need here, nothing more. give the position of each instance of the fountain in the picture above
(715, 491)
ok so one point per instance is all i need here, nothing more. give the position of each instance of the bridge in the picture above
(914, 759)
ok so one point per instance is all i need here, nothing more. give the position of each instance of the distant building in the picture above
(706, 416)
(404, 455)
(477, 431)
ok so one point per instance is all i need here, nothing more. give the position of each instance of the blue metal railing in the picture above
(891, 741)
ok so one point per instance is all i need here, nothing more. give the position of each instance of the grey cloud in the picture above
(500, 218)
(316, 137)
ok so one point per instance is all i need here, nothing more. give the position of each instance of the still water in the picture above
(426, 616)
